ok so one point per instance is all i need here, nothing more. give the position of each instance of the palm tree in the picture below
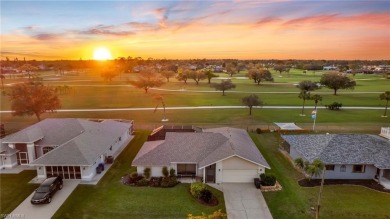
(161, 99)
(314, 168)
(2, 77)
(304, 95)
(316, 98)
(385, 96)
(299, 163)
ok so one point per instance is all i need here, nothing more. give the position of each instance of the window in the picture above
(343, 168)
(329, 167)
(358, 169)
(46, 149)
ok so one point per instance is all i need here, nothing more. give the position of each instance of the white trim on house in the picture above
(231, 157)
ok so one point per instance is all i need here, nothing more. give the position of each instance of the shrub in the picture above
(206, 195)
(142, 182)
(196, 188)
(155, 181)
(147, 172)
(216, 215)
(334, 106)
(172, 172)
(165, 171)
(258, 130)
(134, 174)
(267, 179)
(169, 182)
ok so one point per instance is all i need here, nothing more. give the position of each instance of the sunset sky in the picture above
(196, 29)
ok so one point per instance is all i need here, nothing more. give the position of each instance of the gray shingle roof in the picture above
(343, 148)
(80, 141)
(203, 148)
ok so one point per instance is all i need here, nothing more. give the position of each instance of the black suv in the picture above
(46, 190)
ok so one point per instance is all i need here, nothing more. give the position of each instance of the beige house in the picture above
(216, 155)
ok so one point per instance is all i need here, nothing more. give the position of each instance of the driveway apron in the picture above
(26, 210)
(244, 201)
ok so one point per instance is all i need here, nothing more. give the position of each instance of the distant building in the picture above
(329, 68)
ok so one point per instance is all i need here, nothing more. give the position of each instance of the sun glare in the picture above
(102, 54)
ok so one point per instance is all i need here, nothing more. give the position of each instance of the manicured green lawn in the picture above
(14, 188)
(296, 202)
(111, 199)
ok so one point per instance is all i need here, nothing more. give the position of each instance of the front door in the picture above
(210, 174)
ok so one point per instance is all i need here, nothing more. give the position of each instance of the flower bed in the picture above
(276, 187)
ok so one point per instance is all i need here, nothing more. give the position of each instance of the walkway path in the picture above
(45, 211)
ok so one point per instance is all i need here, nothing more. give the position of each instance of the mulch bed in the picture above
(366, 183)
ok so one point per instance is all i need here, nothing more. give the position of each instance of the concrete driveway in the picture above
(244, 201)
(45, 211)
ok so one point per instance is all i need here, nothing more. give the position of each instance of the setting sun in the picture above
(102, 54)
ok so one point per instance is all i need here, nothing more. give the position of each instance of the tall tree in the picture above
(251, 101)
(223, 86)
(258, 75)
(307, 86)
(197, 76)
(183, 76)
(209, 74)
(147, 80)
(280, 68)
(33, 99)
(231, 69)
(28, 68)
(336, 81)
(385, 96)
(108, 74)
(168, 74)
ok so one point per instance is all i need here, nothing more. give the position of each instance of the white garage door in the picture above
(239, 175)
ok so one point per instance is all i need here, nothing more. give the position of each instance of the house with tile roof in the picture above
(347, 156)
(216, 155)
(71, 148)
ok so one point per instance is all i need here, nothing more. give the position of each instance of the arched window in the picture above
(343, 168)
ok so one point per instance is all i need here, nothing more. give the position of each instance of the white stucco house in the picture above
(71, 148)
(216, 155)
(346, 156)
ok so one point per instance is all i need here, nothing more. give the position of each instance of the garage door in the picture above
(239, 175)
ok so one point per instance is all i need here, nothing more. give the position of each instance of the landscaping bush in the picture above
(172, 172)
(334, 106)
(206, 195)
(142, 182)
(267, 179)
(169, 182)
(132, 181)
(165, 171)
(147, 172)
(258, 130)
(134, 174)
(155, 181)
(196, 188)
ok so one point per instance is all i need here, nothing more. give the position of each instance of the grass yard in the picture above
(295, 201)
(327, 120)
(14, 188)
(111, 199)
